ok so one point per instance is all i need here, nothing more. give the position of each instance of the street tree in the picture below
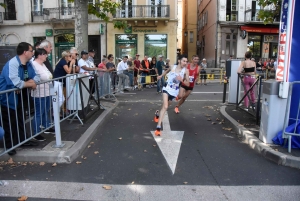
(103, 10)
(272, 13)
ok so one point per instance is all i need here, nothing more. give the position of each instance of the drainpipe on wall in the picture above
(106, 40)
(216, 47)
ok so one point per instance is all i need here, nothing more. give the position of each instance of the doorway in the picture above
(273, 50)
(63, 42)
(94, 43)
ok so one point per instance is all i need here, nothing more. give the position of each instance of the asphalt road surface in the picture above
(198, 158)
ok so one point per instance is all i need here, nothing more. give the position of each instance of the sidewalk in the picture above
(245, 125)
(75, 136)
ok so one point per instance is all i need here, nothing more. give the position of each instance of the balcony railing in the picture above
(233, 16)
(37, 16)
(252, 16)
(143, 11)
(62, 13)
(8, 16)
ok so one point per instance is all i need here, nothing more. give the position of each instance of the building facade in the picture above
(231, 27)
(151, 30)
(34, 20)
(189, 28)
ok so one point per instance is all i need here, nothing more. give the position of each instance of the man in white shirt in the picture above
(123, 79)
(86, 67)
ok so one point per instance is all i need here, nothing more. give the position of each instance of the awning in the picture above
(254, 29)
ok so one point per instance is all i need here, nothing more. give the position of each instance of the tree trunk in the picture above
(81, 25)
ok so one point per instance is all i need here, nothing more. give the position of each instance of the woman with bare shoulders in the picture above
(248, 69)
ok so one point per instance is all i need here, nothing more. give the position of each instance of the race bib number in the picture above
(191, 79)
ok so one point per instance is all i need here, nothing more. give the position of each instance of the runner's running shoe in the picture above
(157, 132)
(176, 110)
(156, 116)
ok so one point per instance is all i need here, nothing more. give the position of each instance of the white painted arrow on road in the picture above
(169, 143)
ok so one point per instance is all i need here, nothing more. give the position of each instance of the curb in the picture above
(259, 146)
(60, 155)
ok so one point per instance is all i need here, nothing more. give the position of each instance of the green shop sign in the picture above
(128, 30)
(144, 30)
(49, 32)
(125, 42)
(64, 31)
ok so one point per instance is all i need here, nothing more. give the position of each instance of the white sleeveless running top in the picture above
(172, 84)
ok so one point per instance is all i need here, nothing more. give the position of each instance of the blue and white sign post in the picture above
(288, 69)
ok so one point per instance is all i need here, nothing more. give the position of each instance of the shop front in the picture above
(143, 40)
(262, 41)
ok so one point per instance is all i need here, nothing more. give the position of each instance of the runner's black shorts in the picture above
(186, 87)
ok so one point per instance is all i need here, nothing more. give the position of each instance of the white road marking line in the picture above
(159, 101)
(89, 191)
(200, 92)
(169, 143)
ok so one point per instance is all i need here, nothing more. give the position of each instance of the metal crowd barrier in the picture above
(58, 99)
(257, 88)
(144, 80)
(295, 127)
(210, 74)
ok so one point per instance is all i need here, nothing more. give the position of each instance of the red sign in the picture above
(260, 29)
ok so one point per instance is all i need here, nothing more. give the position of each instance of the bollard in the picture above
(56, 107)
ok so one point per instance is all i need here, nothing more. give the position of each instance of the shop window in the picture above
(254, 45)
(155, 45)
(126, 45)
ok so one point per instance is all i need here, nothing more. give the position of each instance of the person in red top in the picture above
(137, 66)
(185, 91)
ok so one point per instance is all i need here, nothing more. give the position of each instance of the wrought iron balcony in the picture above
(8, 16)
(37, 16)
(62, 13)
(252, 16)
(143, 11)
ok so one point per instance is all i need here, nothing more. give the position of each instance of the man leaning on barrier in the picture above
(17, 73)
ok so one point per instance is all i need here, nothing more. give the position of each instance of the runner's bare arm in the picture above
(164, 73)
(186, 79)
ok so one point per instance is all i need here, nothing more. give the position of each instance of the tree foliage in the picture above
(272, 13)
(3, 5)
(103, 9)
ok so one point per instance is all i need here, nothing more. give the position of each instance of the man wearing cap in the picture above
(137, 66)
(85, 66)
(159, 70)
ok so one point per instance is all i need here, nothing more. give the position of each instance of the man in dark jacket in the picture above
(17, 73)
(45, 44)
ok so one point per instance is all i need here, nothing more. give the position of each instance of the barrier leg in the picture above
(56, 108)
(290, 144)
